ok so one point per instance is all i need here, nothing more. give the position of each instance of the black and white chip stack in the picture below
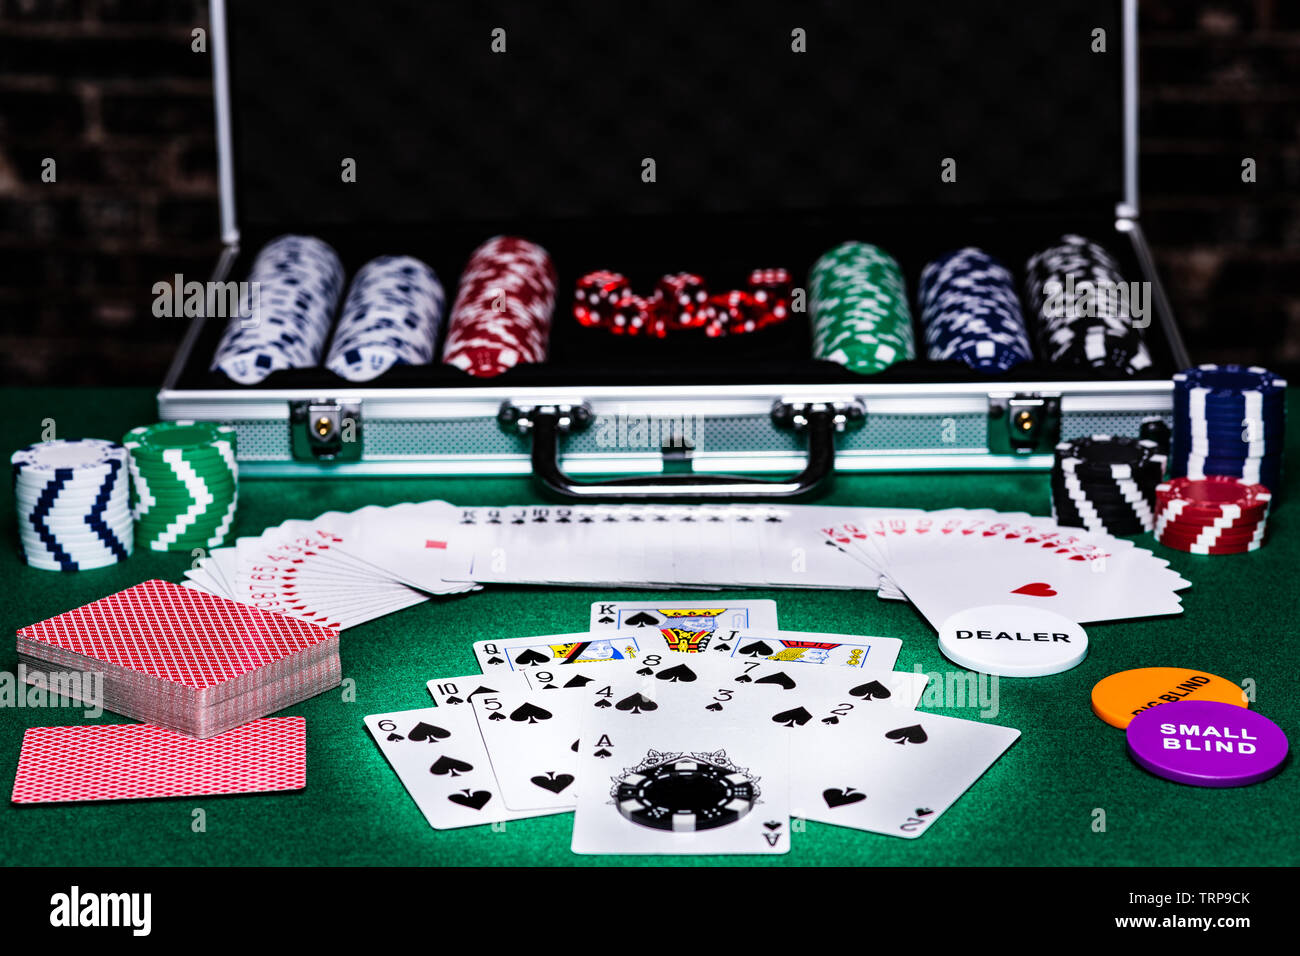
(295, 284)
(391, 316)
(1083, 309)
(72, 498)
(1107, 483)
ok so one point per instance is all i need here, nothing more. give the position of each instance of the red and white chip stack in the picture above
(503, 309)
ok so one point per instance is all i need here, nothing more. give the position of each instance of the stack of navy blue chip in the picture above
(295, 284)
(72, 497)
(1229, 420)
(971, 313)
(391, 316)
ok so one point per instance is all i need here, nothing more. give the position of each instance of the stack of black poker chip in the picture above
(1080, 298)
(1107, 483)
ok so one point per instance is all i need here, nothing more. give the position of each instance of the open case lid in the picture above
(446, 131)
(763, 156)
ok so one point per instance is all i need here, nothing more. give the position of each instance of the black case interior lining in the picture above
(763, 157)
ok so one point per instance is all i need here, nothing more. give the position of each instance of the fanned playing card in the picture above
(891, 773)
(438, 754)
(659, 773)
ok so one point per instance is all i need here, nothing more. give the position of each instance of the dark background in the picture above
(112, 91)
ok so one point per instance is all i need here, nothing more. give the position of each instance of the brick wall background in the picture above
(111, 89)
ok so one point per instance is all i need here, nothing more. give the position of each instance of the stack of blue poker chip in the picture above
(1229, 420)
(971, 313)
(72, 498)
(391, 316)
(295, 284)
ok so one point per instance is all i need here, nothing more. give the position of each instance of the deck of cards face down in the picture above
(201, 671)
(678, 727)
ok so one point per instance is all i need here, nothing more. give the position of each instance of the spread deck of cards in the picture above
(686, 722)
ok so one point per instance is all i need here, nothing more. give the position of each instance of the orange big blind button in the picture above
(1119, 698)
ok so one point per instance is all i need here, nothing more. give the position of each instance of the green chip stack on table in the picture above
(185, 484)
(858, 303)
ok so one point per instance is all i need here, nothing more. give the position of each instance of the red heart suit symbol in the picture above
(1036, 589)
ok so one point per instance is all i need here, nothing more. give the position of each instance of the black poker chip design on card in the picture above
(685, 792)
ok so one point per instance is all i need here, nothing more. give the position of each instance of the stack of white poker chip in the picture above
(391, 317)
(297, 282)
(73, 503)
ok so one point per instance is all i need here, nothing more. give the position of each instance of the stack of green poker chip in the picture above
(185, 484)
(858, 303)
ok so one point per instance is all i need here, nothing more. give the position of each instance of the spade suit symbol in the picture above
(422, 731)
(529, 713)
(756, 649)
(680, 673)
(835, 797)
(531, 658)
(445, 765)
(642, 619)
(914, 734)
(475, 800)
(872, 690)
(780, 678)
(553, 782)
(792, 718)
(636, 703)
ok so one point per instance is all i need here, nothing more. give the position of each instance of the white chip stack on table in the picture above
(72, 499)
(183, 660)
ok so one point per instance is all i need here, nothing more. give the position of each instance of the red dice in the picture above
(771, 290)
(635, 316)
(598, 297)
(682, 301)
(731, 310)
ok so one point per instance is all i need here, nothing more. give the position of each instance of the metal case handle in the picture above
(548, 423)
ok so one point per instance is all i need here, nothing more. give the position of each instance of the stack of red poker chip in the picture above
(1217, 514)
(503, 309)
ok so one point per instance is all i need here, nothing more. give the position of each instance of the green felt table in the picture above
(1036, 806)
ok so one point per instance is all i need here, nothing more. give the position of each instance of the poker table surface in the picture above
(1066, 793)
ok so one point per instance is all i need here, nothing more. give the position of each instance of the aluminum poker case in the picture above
(762, 156)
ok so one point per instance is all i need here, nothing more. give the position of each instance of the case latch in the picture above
(325, 430)
(1024, 423)
(843, 415)
(522, 418)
